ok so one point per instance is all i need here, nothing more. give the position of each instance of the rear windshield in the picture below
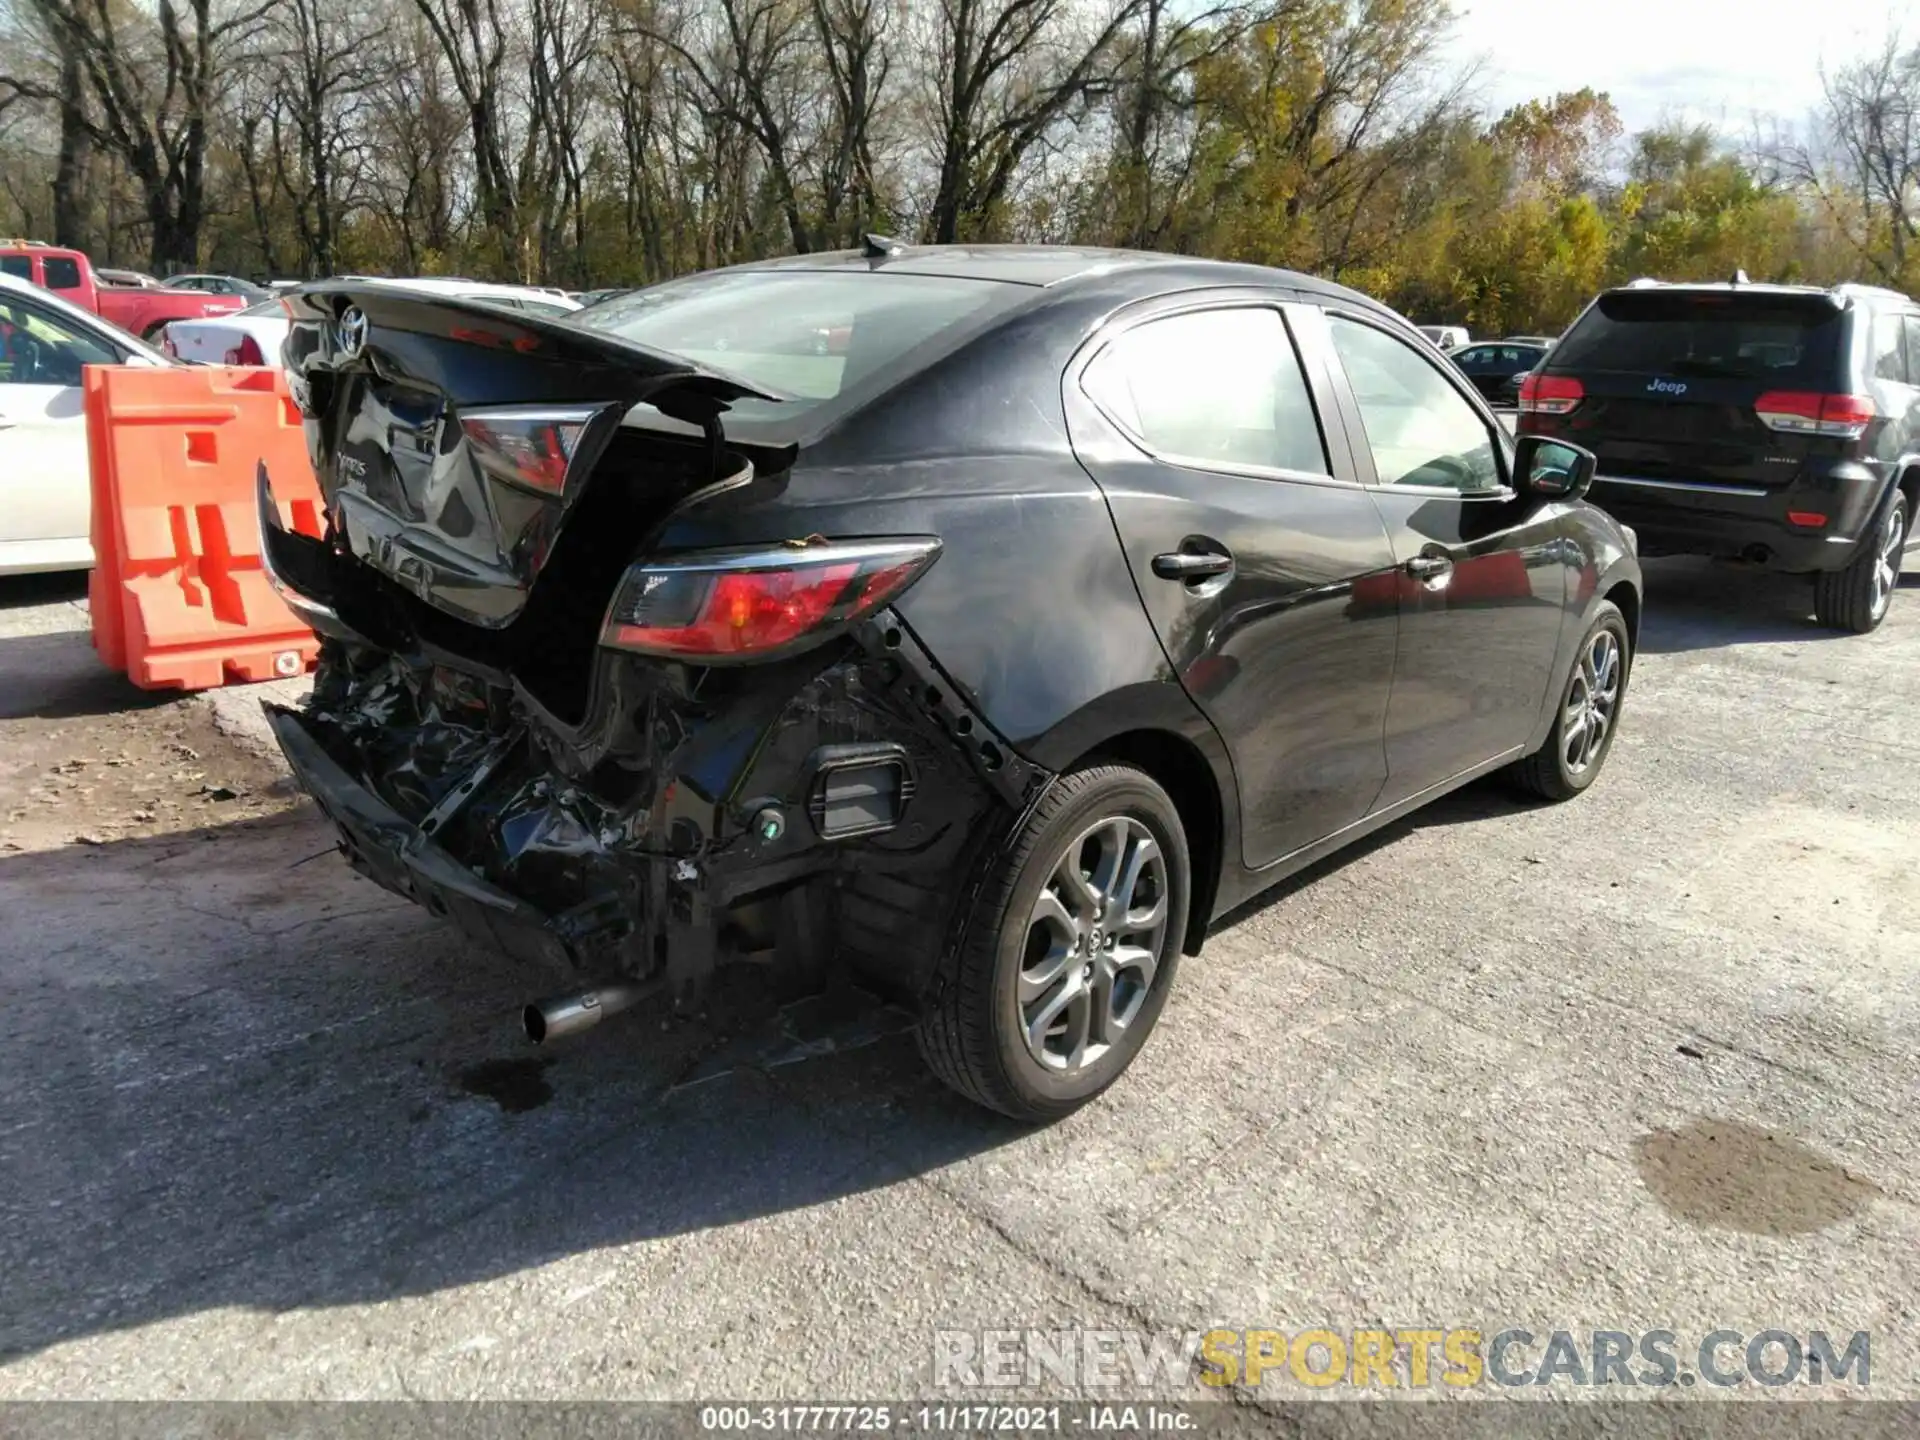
(1726, 336)
(265, 307)
(808, 336)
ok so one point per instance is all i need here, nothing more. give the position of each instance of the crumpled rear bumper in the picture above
(394, 852)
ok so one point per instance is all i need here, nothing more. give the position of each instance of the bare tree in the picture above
(1004, 73)
(418, 154)
(153, 84)
(745, 57)
(852, 36)
(1863, 153)
(476, 41)
(1161, 54)
(326, 60)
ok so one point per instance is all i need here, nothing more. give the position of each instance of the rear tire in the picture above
(1069, 952)
(1858, 597)
(1587, 716)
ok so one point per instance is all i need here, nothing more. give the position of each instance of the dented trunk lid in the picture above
(385, 377)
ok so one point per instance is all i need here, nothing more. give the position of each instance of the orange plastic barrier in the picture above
(178, 596)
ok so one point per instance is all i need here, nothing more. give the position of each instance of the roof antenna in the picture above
(1740, 278)
(880, 247)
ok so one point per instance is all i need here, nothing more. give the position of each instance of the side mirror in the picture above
(1553, 468)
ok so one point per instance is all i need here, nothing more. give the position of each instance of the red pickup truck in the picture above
(71, 276)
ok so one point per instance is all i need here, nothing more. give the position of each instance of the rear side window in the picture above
(62, 272)
(1889, 352)
(1213, 388)
(1773, 339)
(18, 266)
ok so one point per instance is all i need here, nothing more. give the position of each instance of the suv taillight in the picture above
(1808, 412)
(1550, 394)
(712, 607)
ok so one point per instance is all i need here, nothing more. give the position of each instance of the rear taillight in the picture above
(733, 605)
(1808, 412)
(1550, 394)
(167, 347)
(529, 446)
(247, 352)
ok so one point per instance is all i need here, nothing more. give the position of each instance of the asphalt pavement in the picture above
(1644, 1061)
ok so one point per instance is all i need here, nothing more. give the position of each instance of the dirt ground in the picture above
(1645, 1060)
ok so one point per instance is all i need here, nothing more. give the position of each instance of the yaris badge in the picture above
(352, 336)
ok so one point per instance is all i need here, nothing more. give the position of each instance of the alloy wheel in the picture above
(1592, 699)
(1093, 944)
(1886, 566)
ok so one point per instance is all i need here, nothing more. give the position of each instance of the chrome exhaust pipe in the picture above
(563, 1015)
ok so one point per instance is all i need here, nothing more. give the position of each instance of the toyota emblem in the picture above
(353, 331)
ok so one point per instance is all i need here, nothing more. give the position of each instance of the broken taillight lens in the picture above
(718, 606)
(528, 446)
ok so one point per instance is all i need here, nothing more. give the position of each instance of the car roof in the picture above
(1058, 266)
(1838, 295)
(82, 319)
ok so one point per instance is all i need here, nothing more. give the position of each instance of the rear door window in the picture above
(1769, 338)
(1419, 428)
(1889, 351)
(62, 272)
(1216, 389)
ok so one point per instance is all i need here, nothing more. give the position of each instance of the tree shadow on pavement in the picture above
(236, 1078)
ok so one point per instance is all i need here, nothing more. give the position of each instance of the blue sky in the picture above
(1721, 61)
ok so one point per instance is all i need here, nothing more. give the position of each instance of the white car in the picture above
(45, 495)
(253, 336)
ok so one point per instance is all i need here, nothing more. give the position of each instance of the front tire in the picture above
(1588, 713)
(1070, 949)
(1858, 597)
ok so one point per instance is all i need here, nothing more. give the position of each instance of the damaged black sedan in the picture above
(983, 622)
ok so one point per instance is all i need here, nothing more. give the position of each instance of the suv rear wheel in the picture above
(1069, 952)
(1858, 597)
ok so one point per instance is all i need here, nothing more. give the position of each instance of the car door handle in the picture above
(1185, 565)
(1429, 567)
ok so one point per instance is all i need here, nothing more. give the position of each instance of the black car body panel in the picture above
(1672, 414)
(483, 749)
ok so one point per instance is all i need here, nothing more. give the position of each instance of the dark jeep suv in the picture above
(1770, 423)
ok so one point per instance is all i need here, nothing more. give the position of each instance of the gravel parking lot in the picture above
(1647, 1060)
